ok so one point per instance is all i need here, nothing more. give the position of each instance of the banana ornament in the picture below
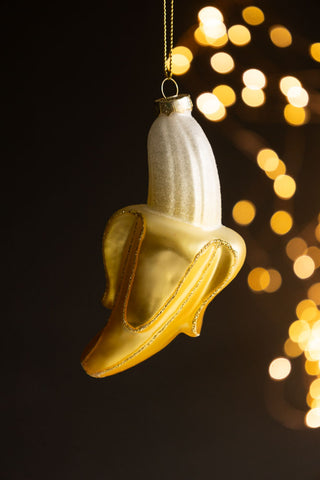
(167, 259)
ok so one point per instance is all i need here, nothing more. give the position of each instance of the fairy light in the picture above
(253, 15)
(312, 418)
(209, 14)
(253, 98)
(314, 389)
(314, 51)
(312, 367)
(258, 279)
(267, 159)
(284, 186)
(208, 103)
(275, 281)
(296, 247)
(288, 82)
(303, 267)
(225, 94)
(298, 96)
(280, 170)
(239, 35)
(200, 37)
(279, 368)
(181, 59)
(280, 36)
(281, 222)
(292, 349)
(294, 115)
(314, 293)
(254, 79)
(244, 212)
(222, 62)
(314, 253)
(299, 331)
(306, 309)
(218, 115)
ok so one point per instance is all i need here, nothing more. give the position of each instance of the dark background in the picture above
(81, 80)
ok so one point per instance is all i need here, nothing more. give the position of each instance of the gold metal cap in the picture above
(178, 103)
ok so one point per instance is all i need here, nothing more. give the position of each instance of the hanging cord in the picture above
(168, 59)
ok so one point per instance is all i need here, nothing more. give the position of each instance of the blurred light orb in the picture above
(267, 159)
(312, 368)
(303, 267)
(185, 51)
(214, 29)
(314, 293)
(222, 62)
(299, 331)
(253, 98)
(218, 115)
(208, 14)
(296, 247)
(244, 212)
(292, 349)
(314, 389)
(253, 15)
(305, 308)
(258, 279)
(208, 103)
(298, 96)
(225, 94)
(275, 281)
(200, 37)
(295, 116)
(239, 35)
(218, 42)
(279, 368)
(280, 170)
(180, 64)
(281, 222)
(314, 253)
(254, 79)
(288, 82)
(314, 51)
(312, 418)
(317, 232)
(284, 186)
(280, 36)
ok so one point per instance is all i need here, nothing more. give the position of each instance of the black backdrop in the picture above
(82, 78)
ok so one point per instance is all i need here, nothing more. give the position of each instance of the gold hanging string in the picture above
(168, 59)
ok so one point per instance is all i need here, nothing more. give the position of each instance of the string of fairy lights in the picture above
(211, 31)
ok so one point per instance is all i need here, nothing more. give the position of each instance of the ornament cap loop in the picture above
(167, 79)
(178, 103)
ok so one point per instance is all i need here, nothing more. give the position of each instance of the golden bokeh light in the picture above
(208, 103)
(207, 14)
(296, 247)
(218, 115)
(275, 281)
(299, 331)
(317, 232)
(303, 266)
(279, 368)
(312, 368)
(294, 115)
(298, 97)
(281, 222)
(222, 62)
(292, 349)
(253, 15)
(267, 159)
(280, 36)
(314, 293)
(218, 42)
(214, 29)
(306, 310)
(288, 82)
(253, 98)
(185, 51)
(258, 279)
(239, 35)
(225, 94)
(314, 51)
(243, 212)
(280, 170)
(180, 64)
(284, 186)
(314, 253)
(312, 418)
(254, 79)
(314, 389)
(200, 37)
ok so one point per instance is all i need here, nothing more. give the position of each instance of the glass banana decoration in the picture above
(167, 259)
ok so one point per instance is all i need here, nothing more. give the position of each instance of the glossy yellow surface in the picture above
(161, 275)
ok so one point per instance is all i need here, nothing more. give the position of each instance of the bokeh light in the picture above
(214, 29)
(288, 82)
(317, 232)
(218, 115)
(267, 159)
(222, 62)
(298, 96)
(253, 98)
(239, 35)
(314, 51)
(306, 310)
(200, 37)
(312, 418)
(281, 222)
(314, 389)
(294, 115)
(208, 14)
(280, 36)
(225, 94)
(244, 212)
(314, 293)
(279, 368)
(275, 281)
(314, 253)
(312, 368)
(258, 279)
(296, 247)
(253, 15)
(303, 266)
(208, 103)
(292, 349)
(299, 331)
(284, 186)
(254, 79)
(280, 170)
